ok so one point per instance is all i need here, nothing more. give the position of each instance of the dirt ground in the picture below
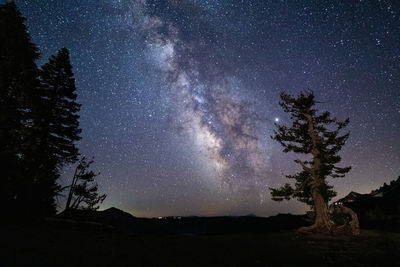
(93, 245)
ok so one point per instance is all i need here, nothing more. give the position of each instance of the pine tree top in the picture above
(15, 41)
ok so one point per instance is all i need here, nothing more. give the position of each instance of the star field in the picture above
(179, 98)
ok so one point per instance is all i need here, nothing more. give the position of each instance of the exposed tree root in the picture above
(352, 228)
(317, 228)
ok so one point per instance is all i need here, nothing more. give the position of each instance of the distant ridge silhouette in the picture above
(378, 209)
(192, 225)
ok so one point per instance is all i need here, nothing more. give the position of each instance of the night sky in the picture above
(179, 98)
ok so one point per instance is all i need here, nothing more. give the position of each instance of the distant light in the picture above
(276, 119)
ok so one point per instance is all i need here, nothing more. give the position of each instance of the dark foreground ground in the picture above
(55, 244)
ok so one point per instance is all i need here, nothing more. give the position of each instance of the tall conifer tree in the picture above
(59, 107)
(56, 124)
(18, 84)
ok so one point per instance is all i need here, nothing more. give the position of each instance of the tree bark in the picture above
(322, 223)
(321, 211)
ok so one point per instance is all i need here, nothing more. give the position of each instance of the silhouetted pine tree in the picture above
(38, 120)
(317, 135)
(55, 128)
(18, 83)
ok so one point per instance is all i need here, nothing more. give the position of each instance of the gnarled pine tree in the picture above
(318, 135)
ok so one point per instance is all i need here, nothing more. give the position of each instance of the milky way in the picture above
(220, 124)
(180, 97)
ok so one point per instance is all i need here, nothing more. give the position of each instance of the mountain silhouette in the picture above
(378, 209)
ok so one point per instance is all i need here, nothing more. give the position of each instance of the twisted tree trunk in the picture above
(322, 223)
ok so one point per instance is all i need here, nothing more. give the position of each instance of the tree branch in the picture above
(307, 169)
